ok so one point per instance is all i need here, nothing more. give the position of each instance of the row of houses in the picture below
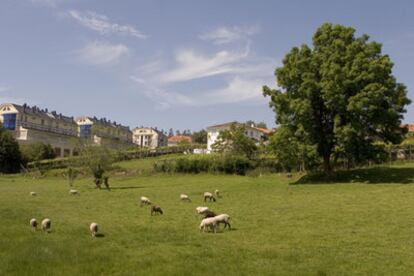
(30, 124)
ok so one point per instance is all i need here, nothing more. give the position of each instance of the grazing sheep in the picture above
(155, 209)
(201, 210)
(33, 194)
(73, 192)
(223, 218)
(209, 214)
(94, 229)
(33, 224)
(184, 197)
(208, 223)
(208, 195)
(46, 224)
(217, 193)
(145, 201)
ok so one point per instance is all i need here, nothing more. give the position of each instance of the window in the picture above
(9, 121)
(85, 131)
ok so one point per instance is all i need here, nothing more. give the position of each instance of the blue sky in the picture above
(179, 64)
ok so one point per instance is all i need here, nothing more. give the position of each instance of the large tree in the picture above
(339, 94)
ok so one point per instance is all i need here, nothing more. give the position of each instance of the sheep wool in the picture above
(33, 194)
(145, 201)
(46, 225)
(73, 192)
(93, 228)
(185, 197)
(208, 223)
(33, 224)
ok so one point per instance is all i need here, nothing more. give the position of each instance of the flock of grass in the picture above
(356, 225)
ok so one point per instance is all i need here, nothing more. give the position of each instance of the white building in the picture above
(255, 133)
(149, 137)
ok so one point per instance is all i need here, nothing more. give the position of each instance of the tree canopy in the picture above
(10, 156)
(339, 95)
(234, 141)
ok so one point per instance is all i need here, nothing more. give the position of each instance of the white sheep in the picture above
(33, 193)
(210, 196)
(217, 193)
(201, 210)
(33, 224)
(46, 224)
(73, 192)
(208, 223)
(145, 201)
(93, 228)
(185, 197)
(223, 218)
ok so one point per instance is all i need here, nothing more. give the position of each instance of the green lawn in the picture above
(302, 229)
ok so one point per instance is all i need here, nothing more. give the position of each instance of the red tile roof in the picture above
(179, 138)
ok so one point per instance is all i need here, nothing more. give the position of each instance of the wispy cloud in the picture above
(102, 53)
(191, 65)
(103, 25)
(224, 35)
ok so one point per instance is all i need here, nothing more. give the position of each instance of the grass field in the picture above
(358, 225)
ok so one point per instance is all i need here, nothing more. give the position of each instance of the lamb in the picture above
(223, 218)
(208, 195)
(33, 224)
(33, 194)
(145, 201)
(185, 197)
(93, 228)
(73, 192)
(155, 209)
(46, 224)
(217, 193)
(208, 223)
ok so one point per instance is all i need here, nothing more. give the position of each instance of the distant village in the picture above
(31, 124)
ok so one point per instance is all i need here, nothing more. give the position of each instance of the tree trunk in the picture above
(327, 168)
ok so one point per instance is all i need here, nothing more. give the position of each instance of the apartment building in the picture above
(149, 137)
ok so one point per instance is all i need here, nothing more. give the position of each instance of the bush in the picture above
(10, 156)
(37, 151)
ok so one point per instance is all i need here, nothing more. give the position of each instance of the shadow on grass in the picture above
(99, 235)
(376, 175)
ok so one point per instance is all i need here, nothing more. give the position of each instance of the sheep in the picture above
(93, 228)
(223, 218)
(217, 193)
(208, 195)
(208, 223)
(156, 209)
(209, 214)
(33, 193)
(46, 224)
(73, 192)
(33, 224)
(145, 201)
(185, 197)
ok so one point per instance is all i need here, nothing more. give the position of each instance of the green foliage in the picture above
(234, 142)
(200, 137)
(10, 157)
(291, 152)
(259, 124)
(71, 175)
(37, 151)
(210, 163)
(99, 160)
(339, 94)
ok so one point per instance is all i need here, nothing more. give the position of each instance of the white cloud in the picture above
(224, 35)
(101, 53)
(102, 24)
(194, 66)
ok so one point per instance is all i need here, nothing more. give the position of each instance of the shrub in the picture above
(10, 156)
(37, 151)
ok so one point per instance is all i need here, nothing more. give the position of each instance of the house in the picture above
(255, 133)
(178, 139)
(32, 124)
(149, 137)
(103, 132)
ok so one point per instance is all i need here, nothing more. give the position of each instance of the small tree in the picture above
(72, 174)
(200, 137)
(234, 141)
(10, 156)
(99, 160)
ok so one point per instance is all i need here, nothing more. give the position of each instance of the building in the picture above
(103, 132)
(32, 124)
(149, 137)
(179, 139)
(255, 133)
